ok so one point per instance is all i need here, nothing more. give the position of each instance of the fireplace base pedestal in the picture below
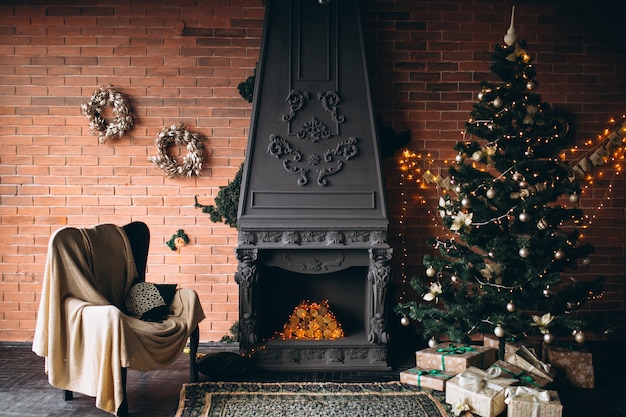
(312, 355)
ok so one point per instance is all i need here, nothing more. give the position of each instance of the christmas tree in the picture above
(510, 207)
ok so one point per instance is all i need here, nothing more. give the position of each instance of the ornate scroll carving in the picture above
(314, 130)
(315, 265)
(296, 100)
(280, 147)
(378, 277)
(247, 276)
(346, 149)
(329, 101)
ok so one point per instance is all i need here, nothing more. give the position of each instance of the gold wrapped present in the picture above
(511, 347)
(476, 391)
(574, 365)
(530, 402)
(455, 358)
(529, 362)
(434, 378)
(507, 370)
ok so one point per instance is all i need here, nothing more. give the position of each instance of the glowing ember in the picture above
(312, 321)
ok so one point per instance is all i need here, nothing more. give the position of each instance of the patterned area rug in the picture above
(306, 399)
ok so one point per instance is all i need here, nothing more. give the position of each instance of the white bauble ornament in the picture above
(405, 321)
(523, 217)
(499, 331)
(497, 102)
(524, 252)
(491, 193)
(459, 158)
(559, 254)
(573, 198)
(480, 96)
(454, 278)
(579, 337)
(458, 189)
(510, 307)
(432, 342)
(431, 272)
(548, 338)
(466, 202)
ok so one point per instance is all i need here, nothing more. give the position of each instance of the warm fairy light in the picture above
(312, 321)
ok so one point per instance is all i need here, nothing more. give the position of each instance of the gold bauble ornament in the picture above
(405, 321)
(431, 272)
(499, 331)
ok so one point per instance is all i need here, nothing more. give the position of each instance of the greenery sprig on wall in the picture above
(226, 202)
(246, 88)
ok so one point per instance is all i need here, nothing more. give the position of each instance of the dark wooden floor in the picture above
(24, 389)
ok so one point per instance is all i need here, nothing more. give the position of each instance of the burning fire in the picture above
(312, 321)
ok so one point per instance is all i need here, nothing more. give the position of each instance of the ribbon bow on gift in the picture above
(452, 349)
(474, 382)
(522, 377)
(527, 394)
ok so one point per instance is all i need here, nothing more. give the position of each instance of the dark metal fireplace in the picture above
(312, 216)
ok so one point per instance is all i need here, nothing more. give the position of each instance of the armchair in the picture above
(83, 330)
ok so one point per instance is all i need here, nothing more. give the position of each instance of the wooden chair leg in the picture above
(68, 395)
(194, 340)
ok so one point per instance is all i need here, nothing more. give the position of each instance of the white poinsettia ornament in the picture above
(491, 271)
(433, 293)
(461, 220)
(543, 322)
(445, 207)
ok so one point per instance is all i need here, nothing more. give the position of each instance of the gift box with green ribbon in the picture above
(478, 392)
(531, 402)
(453, 358)
(424, 378)
(507, 370)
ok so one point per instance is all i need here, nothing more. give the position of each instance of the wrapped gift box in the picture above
(511, 347)
(527, 402)
(508, 370)
(529, 362)
(455, 358)
(424, 378)
(482, 394)
(575, 364)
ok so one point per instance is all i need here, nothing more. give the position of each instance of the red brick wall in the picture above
(181, 62)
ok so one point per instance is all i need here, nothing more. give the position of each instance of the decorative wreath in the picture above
(108, 97)
(178, 240)
(178, 135)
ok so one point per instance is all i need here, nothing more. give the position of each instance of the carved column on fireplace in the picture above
(378, 277)
(247, 276)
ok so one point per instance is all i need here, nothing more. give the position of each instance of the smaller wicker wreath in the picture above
(108, 97)
(177, 135)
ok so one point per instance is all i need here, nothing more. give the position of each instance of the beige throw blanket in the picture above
(81, 329)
